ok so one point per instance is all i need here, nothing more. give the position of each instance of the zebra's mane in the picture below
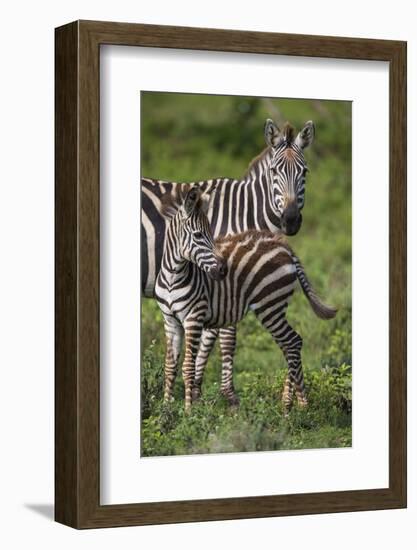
(288, 133)
(257, 159)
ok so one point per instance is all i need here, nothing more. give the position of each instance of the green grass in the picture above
(189, 137)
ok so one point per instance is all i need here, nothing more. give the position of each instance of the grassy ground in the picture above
(195, 137)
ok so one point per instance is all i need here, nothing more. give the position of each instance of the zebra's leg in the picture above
(173, 336)
(287, 394)
(290, 343)
(208, 339)
(193, 330)
(228, 348)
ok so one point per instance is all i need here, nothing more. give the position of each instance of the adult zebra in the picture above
(202, 284)
(270, 196)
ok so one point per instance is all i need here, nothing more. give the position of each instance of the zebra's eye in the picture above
(198, 235)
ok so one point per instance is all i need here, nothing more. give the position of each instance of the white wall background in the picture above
(26, 272)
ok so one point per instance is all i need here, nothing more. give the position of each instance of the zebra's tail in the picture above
(322, 310)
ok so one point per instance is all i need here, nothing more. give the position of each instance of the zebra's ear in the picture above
(190, 200)
(306, 136)
(272, 133)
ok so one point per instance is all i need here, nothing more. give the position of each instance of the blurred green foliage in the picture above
(193, 137)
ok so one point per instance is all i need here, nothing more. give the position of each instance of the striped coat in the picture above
(203, 285)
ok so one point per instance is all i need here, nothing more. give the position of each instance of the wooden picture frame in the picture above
(77, 375)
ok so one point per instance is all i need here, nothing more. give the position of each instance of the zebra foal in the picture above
(204, 284)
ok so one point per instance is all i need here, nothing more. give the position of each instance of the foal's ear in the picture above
(272, 133)
(306, 136)
(190, 200)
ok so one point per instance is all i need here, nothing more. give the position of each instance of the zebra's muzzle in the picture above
(218, 271)
(291, 220)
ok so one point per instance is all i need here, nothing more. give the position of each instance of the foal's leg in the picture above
(208, 339)
(295, 368)
(173, 336)
(193, 329)
(290, 343)
(228, 348)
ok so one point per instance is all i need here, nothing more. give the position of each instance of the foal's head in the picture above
(193, 235)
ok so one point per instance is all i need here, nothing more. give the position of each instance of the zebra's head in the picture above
(287, 171)
(195, 238)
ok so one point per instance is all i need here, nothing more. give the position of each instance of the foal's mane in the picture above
(263, 240)
(171, 201)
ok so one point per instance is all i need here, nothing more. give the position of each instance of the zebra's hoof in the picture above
(196, 394)
(232, 399)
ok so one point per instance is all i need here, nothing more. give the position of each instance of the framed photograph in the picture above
(230, 274)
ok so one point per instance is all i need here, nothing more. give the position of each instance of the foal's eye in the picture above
(198, 235)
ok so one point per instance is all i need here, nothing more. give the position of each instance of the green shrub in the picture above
(152, 380)
(257, 424)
